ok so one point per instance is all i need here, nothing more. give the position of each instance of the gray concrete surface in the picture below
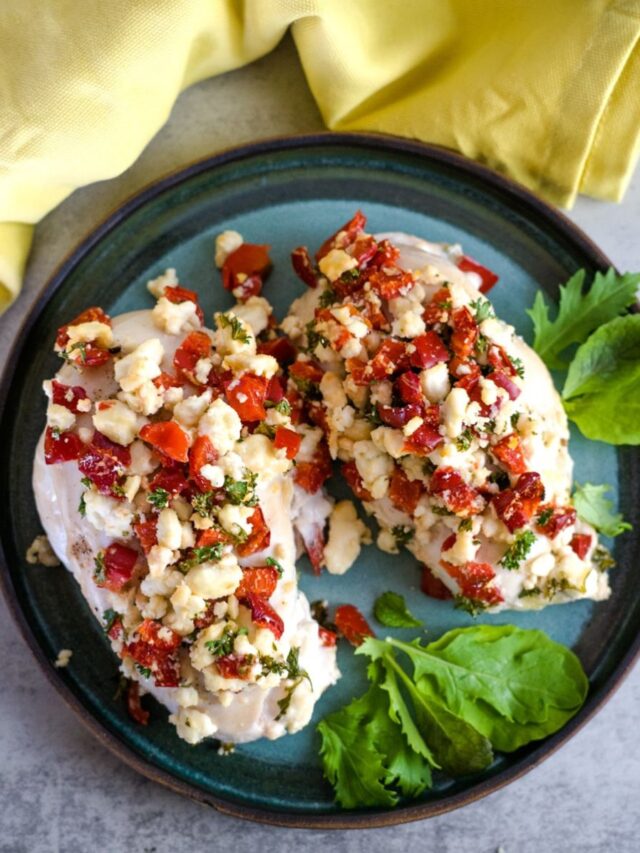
(61, 791)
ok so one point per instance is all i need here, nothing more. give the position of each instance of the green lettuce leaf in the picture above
(579, 313)
(391, 610)
(601, 390)
(593, 507)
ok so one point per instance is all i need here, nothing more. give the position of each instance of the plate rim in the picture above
(348, 819)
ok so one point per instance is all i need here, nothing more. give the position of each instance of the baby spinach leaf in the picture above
(593, 507)
(391, 609)
(512, 685)
(579, 313)
(601, 390)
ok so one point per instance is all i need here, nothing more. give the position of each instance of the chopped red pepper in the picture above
(504, 381)
(429, 350)
(234, 666)
(457, 496)
(249, 260)
(247, 395)
(302, 266)
(169, 438)
(263, 615)
(353, 478)
(581, 542)
(509, 451)
(437, 311)
(67, 395)
(465, 332)
(259, 537)
(147, 533)
(281, 349)
(287, 439)
(552, 519)
(306, 371)
(390, 357)
(516, 506)
(474, 580)
(195, 346)
(202, 453)
(404, 493)
(352, 624)
(119, 563)
(314, 546)
(172, 480)
(344, 236)
(487, 278)
(311, 475)
(399, 416)
(90, 315)
(181, 294)
(390, 285)
(327, 638)
(407, 387)
(258, 580)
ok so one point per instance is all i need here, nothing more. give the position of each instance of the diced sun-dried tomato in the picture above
(353, 478)
(172, 480)
(287, 439)
(509, 451)
(182, 294)
(281, 349)
(276, 389)
(554, 519)
(166, 380)
(474, 580)
(247, 395)
(147, 533)
(234, 666)
(437, 311)
(211, 536)
(303, 372)
(457, 496)
(169, 438)
(357, 369)
(258, 580)
(499, 360)
(90, 315)
(504, 381)
(516, 506)
(119, 563)
(195, 346)
(390, 357)
(465, 332)
(404, 493)
(156, 650)
(311, 475)
(67, 395)
(429, 350)
(580, 543)
(101, 468)
(249, 260)
(389, 286)
(317, 413)
(398, 416)
(352, 624)
(302, 266)
(487, 278)
(201, 453)
(407, 387)
(386, 255)
(433, 586)
(344, 236)
(259, 537)
(313, 538)
(263, 615)
(134, 707)
(158, 635)
(61, 446)
(425, 439)
(327, 638)
(110, 448)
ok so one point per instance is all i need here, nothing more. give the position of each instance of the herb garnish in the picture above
(159, 498)
(518, 550)
(223, 646)
(402, 534)
(271, 561)
(391, 610)
(238, 331)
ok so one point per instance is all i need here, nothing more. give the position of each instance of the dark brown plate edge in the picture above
(347, 820)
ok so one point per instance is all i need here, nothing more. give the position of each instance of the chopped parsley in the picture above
(440, 510)
(463, 441)
(371, 414)
(482, 344)
(297, 675)
(271, 561)
(518, 366)
(82, 506)
(100, 568)
(206, 554)
(402, 534)
(110, 617)
(159, 498)
(238, 332)
(350, 275)
(515, 417)
(602, 558)
(327, 297)
(80, 347)
(241, 491)
(470, 605)
(465, 524)
(482, 310)
(528, 593)
(202, 503)
(283, 407)
(518, 550)
(314, 338)
(264, 428)
(223, 646)
(144, 671)
(544, 517)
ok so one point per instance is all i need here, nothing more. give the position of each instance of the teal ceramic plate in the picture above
(286, 193)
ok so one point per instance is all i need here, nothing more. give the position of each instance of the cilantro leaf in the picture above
(593, 507)
(579, 313)
(391, 609)
(600, 393)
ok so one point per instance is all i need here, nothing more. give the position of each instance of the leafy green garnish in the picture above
(144, 671)
(159, 498)
(391, 609)
(518, 366)
(283, 407)
(463, 441)
(402, 534)
(82, 506)
(545, 516)
(241, 491)
(593, 507)
(238, 331)
(327, 297)
(482, 309)
(206, 554)
(600, 393)
(223, 646)
(579, 313)
(110, 617)
(518, 550)
(297, 675)
(202, 503)
(314, 338)
(99, 568)
(271, 561)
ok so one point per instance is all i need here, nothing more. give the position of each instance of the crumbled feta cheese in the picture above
(41, 553)
(188, 412)
(139, 366)
(193, 725)
(346, 533)
(434, 382)
(255, 313)
(453, 411)
(157, 286)
(463, 549)
(259, 455)
(169, 529)
(227, 341)
(226, 243)
(389, 440)
(90, 332)
(59, 417)
(374, 466)
(221, 424)
(64, 656)
(409, 324)
(107, 514)
(215, 580)
(411, 426)
(131, 487)
(235, 519)
(214, 474)
(174, 318)
(115, 420)
(259, 365)
(143, 460)
(335, 263)
(332, 391)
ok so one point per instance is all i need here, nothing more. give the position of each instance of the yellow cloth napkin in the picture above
(547, 91)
